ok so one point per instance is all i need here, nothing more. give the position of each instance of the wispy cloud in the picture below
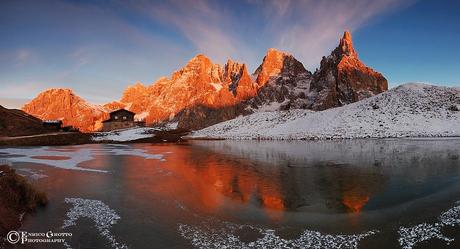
(309, 28)
(306, 28)
(93, 46)
(210, 27)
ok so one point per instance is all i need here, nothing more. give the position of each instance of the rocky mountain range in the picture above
(409, 110)
(203, 93)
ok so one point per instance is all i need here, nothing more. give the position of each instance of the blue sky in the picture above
(97, 48)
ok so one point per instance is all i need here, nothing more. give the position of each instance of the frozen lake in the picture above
(392, 193)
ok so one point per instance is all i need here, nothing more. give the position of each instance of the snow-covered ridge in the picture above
(409, 110)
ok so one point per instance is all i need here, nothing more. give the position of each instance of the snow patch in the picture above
(271, 106)
(124, 135)
(217, 86)
(171, 125)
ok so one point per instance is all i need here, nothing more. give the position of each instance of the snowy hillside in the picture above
(410, 110)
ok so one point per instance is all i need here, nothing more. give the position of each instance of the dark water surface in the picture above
(212, 194)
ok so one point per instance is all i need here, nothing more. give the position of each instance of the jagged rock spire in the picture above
(343, 78)
(345, 47)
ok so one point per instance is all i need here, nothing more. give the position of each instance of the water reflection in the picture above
(344, 187)
(205, 181)
(328, 177)
(208, 179)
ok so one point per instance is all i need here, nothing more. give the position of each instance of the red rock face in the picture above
(283, 82)
(64, 105)
(276, 63)
(113, 106)
(239, 81)
(272, 65)
(199, 83)
(203, 93)
(343, 78)
(198, 95)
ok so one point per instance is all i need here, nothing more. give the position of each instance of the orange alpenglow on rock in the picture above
(203, 93)
(63, 104)
(346, 45)
(199, 83)
(343, 79)
(272, 64)
(236, 76)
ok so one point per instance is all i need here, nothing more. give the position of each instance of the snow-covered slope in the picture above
(124, 135)
(410, 110)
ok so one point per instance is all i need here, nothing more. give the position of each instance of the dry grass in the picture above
(17, 196)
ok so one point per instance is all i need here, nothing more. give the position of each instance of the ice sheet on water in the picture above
(27, 155)
(75, 156)
(101, 214)
(32, 173)
(205, 237)
(410, 236)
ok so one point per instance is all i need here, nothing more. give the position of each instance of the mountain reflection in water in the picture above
(334, 187)
(341, 188)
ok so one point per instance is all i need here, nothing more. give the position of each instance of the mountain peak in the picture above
(232, 65)
(63, 104)
(198, 66)
(274, 63)
(346, 45)
(199, 57)
(342, 78)
(273, 52)
(198, 60)
(237, 76)
(58, 90)
(346, 35)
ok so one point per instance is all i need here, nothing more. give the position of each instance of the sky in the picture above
(98, 48)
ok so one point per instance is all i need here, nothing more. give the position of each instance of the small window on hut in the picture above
(124, 117)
